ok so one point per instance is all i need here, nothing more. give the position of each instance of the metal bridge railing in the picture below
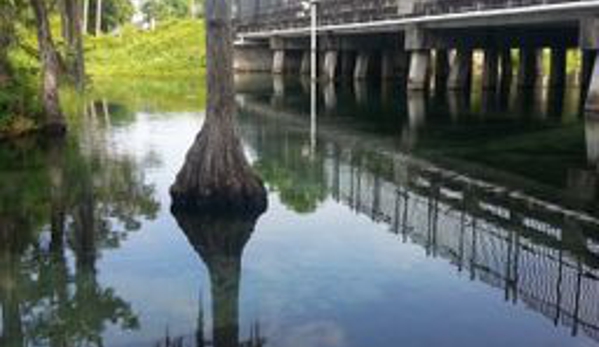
(334, 12)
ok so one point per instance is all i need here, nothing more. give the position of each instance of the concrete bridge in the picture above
(426, 43)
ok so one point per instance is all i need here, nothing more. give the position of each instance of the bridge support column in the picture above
(305, 64)
(460, 73)
(529, 67)
(252, 58)
(393, 64)
(362, 65)
(441, 69)
(507, 68)
(284, 62)
(278, 62)
(490, 69)
(329, 66)
(557, 76)
(419, 68)
(592, 99)
(347, 63)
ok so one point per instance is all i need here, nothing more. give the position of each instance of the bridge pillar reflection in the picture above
(460, 74)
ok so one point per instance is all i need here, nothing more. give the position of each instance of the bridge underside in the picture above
(436, 51)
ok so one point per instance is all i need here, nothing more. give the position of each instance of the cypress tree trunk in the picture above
(216, 174)
(54, 119)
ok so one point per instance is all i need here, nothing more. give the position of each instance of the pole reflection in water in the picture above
(314, 114)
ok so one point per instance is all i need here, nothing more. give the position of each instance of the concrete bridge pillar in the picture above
(507, 68)
(252, 58)
(557, 75)
(441, 69)
(419, 69)
(393, 64)
(592, 99)
(278, 62)
(362, 65)
(529, 67)
(460, 73)
(305, 64)
(347, 63)
(285, 61)
(329, 67)
(490, 69)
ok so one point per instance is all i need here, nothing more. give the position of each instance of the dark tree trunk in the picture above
(54, 119)
(72, 31)
(216, 174)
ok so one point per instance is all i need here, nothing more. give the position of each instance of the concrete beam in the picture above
(419, 69)
(460, 74)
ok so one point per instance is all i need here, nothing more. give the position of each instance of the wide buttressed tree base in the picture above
(216, 175)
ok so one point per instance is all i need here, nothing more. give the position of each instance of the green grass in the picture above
(175, 48)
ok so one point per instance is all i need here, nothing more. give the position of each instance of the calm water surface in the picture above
(393, 220)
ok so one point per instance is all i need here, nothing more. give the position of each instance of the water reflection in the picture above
(500, 230)
(219, 242)
(58, 214)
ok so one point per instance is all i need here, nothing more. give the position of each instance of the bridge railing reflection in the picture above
(537, 252)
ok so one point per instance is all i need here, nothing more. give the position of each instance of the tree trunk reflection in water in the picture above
(219, 241)
(216, 175)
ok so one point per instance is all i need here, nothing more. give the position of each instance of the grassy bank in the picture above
(173, 49)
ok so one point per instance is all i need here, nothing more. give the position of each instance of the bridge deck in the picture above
(255, 19)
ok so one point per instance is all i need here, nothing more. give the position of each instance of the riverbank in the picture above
(175, 48)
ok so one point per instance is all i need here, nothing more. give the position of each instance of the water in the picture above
(393, 220)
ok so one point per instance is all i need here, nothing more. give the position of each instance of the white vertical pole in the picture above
(313, 74)
(313, 39)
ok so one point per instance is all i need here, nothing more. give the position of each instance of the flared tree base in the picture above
(247, 201)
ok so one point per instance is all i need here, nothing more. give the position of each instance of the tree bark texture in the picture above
(54, 119)
(72, 27)
(216, 174)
